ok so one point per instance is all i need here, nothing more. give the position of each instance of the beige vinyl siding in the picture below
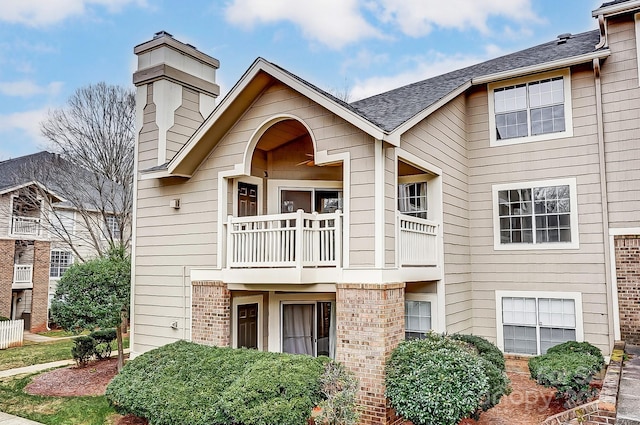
(621, 116)
(580, 270)
(187, 120)
(5, 215)
(171, 242)
(441, 140)
(390, 207)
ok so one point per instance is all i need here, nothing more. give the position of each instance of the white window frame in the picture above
(416, 178)
(575, 296)
(568, 109)
(573, 193)
(244, 300)
(70, 263)
(110, 231)
(276, 186)
(636, 18)
(428, 297)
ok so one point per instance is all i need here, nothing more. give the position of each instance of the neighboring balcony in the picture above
(307, 248)
(22, 276)
(25, 226)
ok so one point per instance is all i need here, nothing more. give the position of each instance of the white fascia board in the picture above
(161, 174)
(34, 183)
(262, 65)
(547, 66)
(617, 9)
(394, 136)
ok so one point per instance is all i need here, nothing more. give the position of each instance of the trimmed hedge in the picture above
(187, 383)
(569, 368)
(494, 368)
(436, 380)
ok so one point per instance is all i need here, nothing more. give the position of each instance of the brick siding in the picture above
(40, 298)
(627, 250)
(7, 252)
(211, 313)
(369, 325)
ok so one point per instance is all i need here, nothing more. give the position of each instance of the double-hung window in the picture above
(532, 322)
(536, 215)
(419, 314)
(60, 262)
(113, 226)
(530, 109)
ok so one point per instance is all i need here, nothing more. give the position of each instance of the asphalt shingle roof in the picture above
(45, 168)
(391, 109)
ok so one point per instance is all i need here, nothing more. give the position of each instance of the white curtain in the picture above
(297, 329)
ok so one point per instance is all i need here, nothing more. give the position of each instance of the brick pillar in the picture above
(7, 253)
(369, 325)
(40, 300)
(211, 313)
(627, 250)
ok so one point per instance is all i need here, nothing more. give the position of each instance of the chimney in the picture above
(175, 92)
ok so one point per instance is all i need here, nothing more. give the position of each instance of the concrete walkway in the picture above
(629, 392)
(28, 336)
(7, 419)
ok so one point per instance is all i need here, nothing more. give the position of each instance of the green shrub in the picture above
(435, 380)
(569, 369)
(83, 349)
(187, 383)
(4, 319)
(104, 339)
(577, 347)
(494, 368)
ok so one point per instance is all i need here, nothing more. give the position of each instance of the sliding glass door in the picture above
(308, 328)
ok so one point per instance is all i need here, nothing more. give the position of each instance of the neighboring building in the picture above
(500, 200)
(43, 232)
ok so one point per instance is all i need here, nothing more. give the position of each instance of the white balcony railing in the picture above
(417, 241)
(25, 226)
(285, 240)
(22, 276)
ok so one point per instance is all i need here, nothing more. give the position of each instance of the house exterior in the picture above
(43, 232)
(499, 200)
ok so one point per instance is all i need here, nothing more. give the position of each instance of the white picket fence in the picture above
(11, 333)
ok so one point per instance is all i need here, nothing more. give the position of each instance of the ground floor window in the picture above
(419, 314)
(531, 323)
(308, 328)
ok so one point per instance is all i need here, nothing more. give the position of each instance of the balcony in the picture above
(417, 241)
(22, 276)
(25, 226)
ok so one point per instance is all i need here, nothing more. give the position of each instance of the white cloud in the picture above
(27, 88)
(334, 23)
(364, 59)
(419, 68)
(27, 122)
(38, 13)
(417, 18)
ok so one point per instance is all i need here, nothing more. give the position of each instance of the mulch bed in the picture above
(528, 404)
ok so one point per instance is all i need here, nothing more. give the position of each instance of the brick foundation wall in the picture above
(7, 252)
(39, 303)
(211, 313)
(369, 325)
(627, 251)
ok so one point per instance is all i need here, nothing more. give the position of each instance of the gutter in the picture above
(547, 66)
(616, 9)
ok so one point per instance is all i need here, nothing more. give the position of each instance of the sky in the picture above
(50, 48)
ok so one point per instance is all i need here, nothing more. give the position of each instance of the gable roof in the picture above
(387, 115)
(44, 169)
(616, 7)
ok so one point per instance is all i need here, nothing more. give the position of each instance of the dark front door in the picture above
(247, 199)
(248, 325)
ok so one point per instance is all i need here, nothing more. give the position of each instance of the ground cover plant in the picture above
(440, 380)
(569, 368)
(187, 383)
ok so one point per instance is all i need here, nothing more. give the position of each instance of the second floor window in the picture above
(60, 262)
(412, 199)
(113, 226)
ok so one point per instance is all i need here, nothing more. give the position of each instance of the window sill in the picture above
(530, 139)
(535, 247)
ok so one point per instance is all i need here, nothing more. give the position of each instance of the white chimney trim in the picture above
(169, 96)
(207, 104)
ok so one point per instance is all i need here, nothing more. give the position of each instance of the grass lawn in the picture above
(41, 352)
(53, 410)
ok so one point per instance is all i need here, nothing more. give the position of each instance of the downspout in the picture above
(605, 202)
